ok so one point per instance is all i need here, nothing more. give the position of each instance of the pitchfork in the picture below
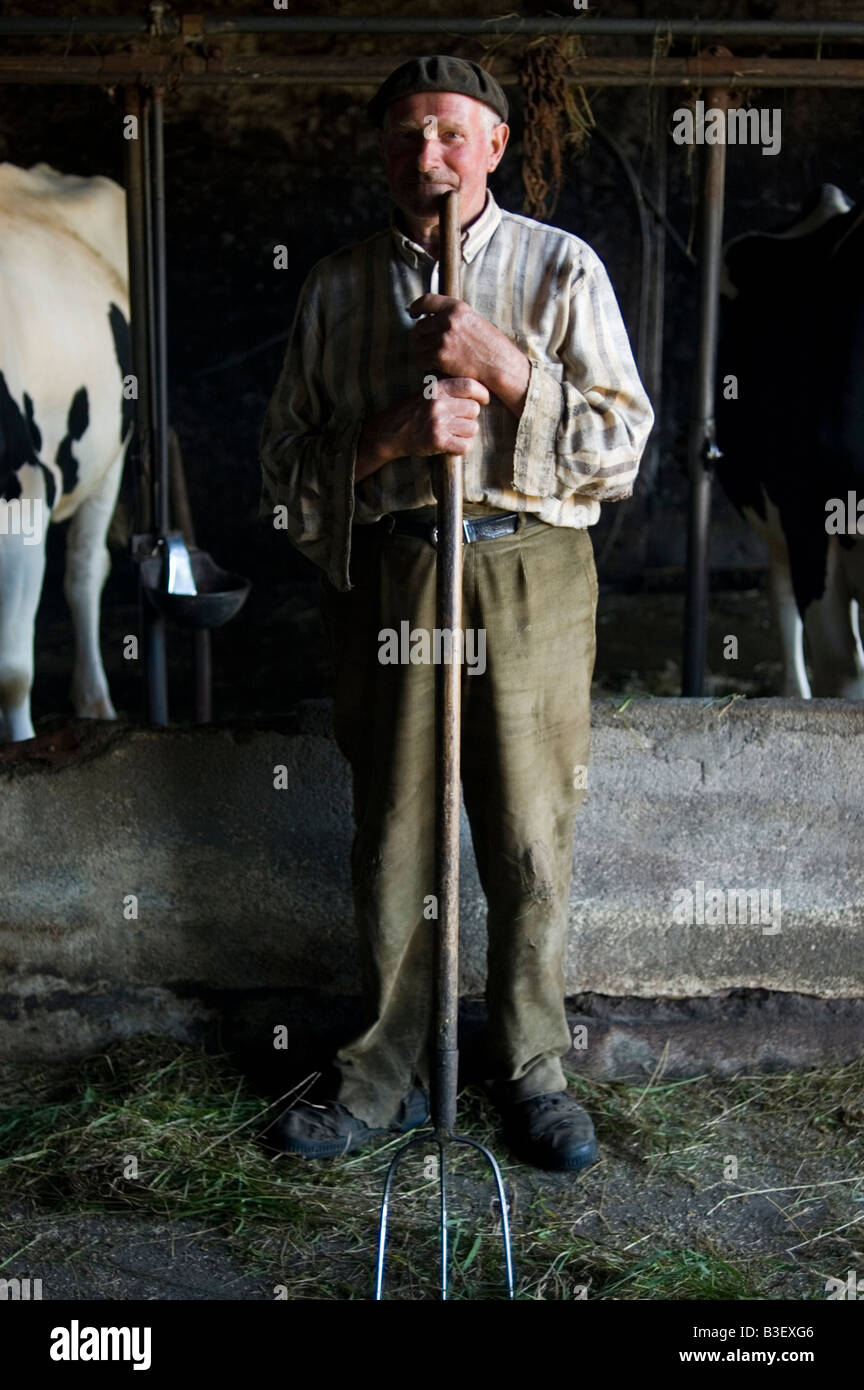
(447, 806)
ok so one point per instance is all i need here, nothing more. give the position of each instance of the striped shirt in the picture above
(583, 427)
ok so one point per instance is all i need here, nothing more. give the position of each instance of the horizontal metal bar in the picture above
(461, 24)
(12, 25)
(345, 71)
(445, 24)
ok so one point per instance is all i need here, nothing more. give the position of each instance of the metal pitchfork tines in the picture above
(447, 805)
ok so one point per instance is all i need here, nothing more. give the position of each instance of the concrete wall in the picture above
(242, 887)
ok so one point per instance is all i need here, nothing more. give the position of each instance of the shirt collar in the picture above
(474, 238)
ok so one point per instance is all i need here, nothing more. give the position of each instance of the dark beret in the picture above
(438, 72)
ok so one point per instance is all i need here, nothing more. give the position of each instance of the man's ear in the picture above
(499, 137)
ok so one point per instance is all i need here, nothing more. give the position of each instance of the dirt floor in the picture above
(142, 1174)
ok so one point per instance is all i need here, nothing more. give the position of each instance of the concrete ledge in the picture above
(240, 886)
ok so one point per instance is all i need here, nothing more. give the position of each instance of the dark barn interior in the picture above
(172, 1039)
(255, 164)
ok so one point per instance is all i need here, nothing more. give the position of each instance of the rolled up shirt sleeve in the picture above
(308, 451)
(585, 433)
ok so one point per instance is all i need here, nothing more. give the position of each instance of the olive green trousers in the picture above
(525, 745)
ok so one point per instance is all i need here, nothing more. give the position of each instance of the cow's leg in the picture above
(852, 566)
(831, 627)
(88, 563)
(22, 569)
(795, 682)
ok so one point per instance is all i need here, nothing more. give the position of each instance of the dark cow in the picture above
(792, 335)
(64, 421)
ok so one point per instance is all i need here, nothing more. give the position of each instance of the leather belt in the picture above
(478, 528)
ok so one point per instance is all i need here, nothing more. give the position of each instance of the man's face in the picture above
(433, 141)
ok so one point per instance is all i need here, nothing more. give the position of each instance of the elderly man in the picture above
(543, 398)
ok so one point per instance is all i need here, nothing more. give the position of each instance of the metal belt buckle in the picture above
(466, 534)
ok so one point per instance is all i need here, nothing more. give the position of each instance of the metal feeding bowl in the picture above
(189, 588)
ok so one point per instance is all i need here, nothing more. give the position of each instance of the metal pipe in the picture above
(180, 508)
(152, 626)
(155, 625)
(50, 26)
(657, 297)
(133, 158)
(202, 645)
(703, 446)
(824, 30)
(160, 300)
(139, 242)
(152, 383)
(641, 77)
(463, 24)
(203, 676)
(685, 73)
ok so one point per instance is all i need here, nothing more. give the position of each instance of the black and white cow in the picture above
(792, 336)
(64, 422)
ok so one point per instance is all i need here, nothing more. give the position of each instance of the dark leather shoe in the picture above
(550, 1131)
(329, 1130)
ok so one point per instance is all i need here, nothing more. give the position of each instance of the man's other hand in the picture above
(446, 424)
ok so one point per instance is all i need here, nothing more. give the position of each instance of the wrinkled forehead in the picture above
(413, 111)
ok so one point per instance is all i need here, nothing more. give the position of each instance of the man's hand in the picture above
(446, 424)
(459, 341)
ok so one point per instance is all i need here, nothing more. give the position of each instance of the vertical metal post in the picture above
(203, 676)
(140, 245)
(160, 476)
(160, 393)
(202, 649)
(703, 447)
(136, 237)
(653, 372)
(154, 623)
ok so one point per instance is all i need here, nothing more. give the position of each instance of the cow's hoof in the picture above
(94, 709)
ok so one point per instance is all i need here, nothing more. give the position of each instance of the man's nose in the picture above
(429, 157)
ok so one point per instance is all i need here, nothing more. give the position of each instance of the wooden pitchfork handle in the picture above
(448, 613)
(448, 472)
